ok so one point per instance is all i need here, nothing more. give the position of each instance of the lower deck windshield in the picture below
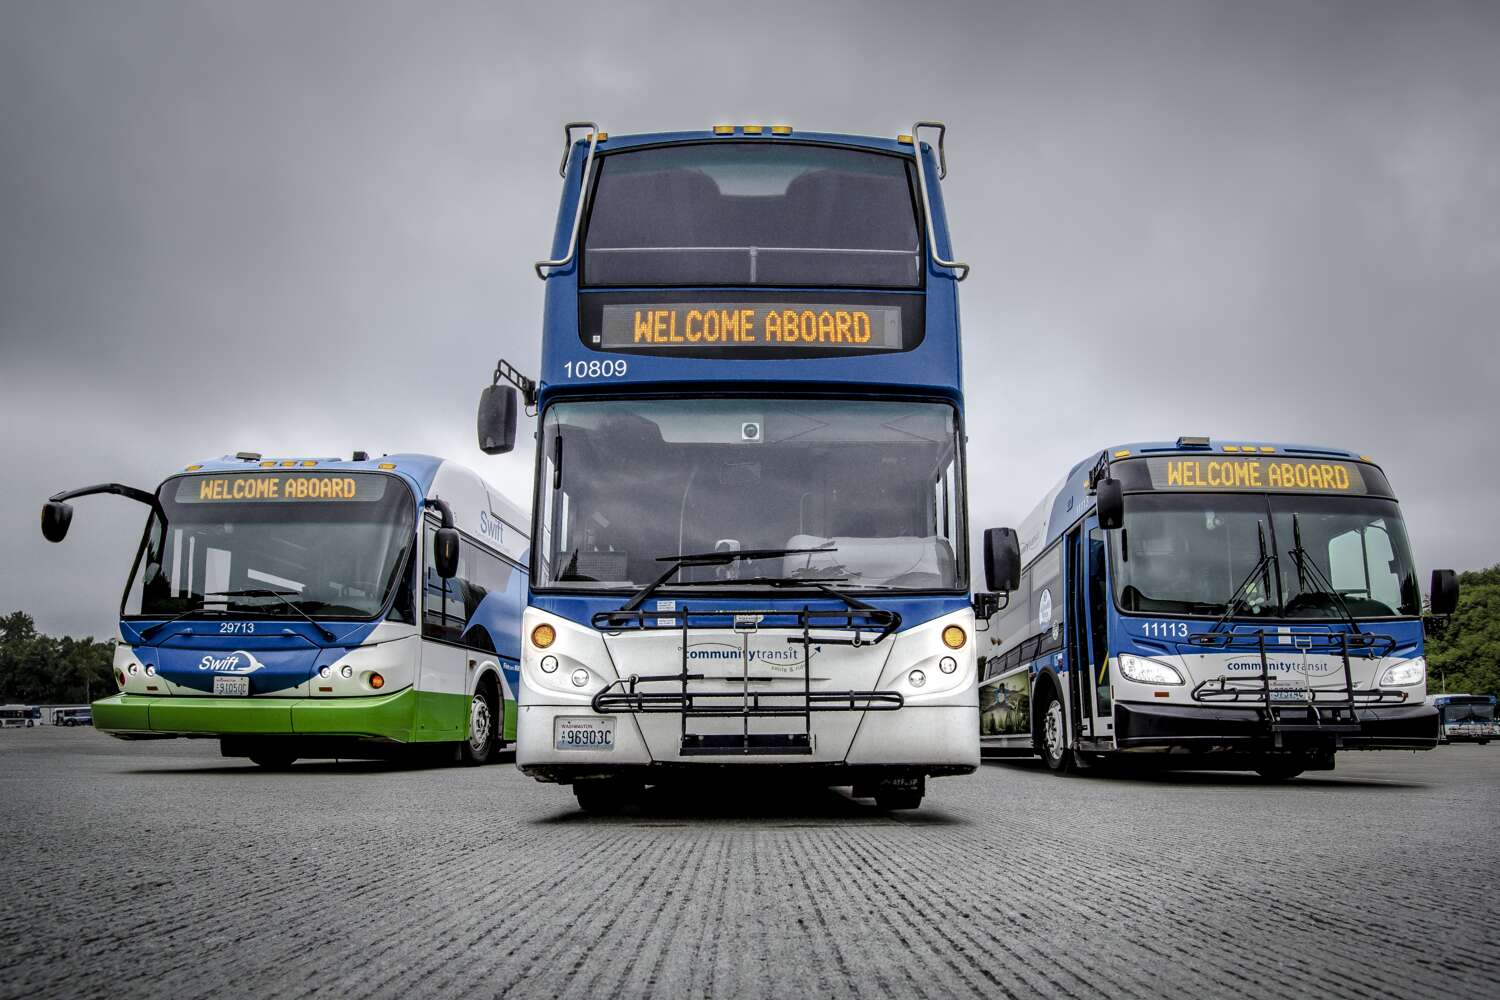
(874, 486)
(327, 557)
(1188, 553)
(1468, 711)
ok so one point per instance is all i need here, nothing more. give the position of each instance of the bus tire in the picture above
(1052, 739)
(272, 760)
(1280, 770)
(602, 796)
(484, 713)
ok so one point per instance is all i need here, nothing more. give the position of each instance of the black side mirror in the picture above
(1444, 592)
(497, 419)
(985, 606)
(1109, 499)
(56, 517)
(445, 552)
(1002, 560)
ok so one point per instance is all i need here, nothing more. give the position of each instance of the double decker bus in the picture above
(750, 529)
(1467, 718)
(1203, 604)
(315, 607)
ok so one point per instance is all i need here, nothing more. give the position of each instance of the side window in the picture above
(449, 607)
(1009, 627)
(442, 600)
(1047, 604)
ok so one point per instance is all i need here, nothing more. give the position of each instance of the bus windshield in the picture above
(753, 213)
(1468, 711)
(332, 545)
(1187, 554)
(627, 483)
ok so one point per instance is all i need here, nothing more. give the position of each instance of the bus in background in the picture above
(1467, 718)
(1201, 604)
(20, 716)
(300, 607)
(750, 514)
(77, 715)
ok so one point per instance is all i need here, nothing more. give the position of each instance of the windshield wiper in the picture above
(724, 558)
(820, 583)
(1259, 570)
(1306, 568)
(280, 595)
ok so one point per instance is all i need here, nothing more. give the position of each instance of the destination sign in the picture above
(740, 325)
(273, 487)
(1264, 473)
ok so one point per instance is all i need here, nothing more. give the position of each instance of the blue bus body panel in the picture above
(913, 610)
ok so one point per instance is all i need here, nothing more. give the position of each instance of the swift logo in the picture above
(237, 662)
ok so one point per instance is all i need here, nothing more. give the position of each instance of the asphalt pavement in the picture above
(161, 869)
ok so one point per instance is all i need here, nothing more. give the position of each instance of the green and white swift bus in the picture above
(301, 607)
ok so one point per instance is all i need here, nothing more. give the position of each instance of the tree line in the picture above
(37, 669)
(1464, 656)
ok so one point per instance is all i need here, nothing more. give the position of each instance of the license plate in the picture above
(584, 734)
(1288, 694)
(237, 687)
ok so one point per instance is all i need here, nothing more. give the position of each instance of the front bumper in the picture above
(1404, 727)
(383, 717)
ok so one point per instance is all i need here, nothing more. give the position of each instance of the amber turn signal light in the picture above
(377, 682)
(543, 636)
(953, 637)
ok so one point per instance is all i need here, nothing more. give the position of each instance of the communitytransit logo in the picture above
(779, 660)
(237, 662)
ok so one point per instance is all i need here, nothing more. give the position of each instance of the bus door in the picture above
(1089, 694)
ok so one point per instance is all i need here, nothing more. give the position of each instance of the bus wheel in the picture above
(272, 760)
(1054, 741)
(602, 796)
(900, 793)
(479, 748)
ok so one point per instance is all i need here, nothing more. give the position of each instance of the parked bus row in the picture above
(748, 546)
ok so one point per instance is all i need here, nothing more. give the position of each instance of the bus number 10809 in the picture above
(607, 368)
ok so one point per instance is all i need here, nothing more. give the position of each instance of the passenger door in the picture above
(1089, 693)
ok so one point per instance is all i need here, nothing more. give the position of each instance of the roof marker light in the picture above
(781, 130)
(904, 139)
(308, 464)
(1266, 449)
(603, 136)
(751, 129)
(1231, 448)
(723, 130)
(193, 468)
(288, 464)
(1367, 458)
(386, 465)
(1123, 453)
(268, 465)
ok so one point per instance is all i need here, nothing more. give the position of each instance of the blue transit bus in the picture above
(317, 607)
(1203, 604)
(750, 521)
(1467, 718)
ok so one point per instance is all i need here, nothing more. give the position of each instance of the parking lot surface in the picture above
(161, 869)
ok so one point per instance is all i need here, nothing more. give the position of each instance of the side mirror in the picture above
(1444, 592)
(1002, 560)
(1109, 499)
(56, 517)
(497, 419)
(445, 552)
(985, 606)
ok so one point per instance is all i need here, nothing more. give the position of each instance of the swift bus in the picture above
(300, 607)
(1467, 718)
(1203, 604)
(750, 520)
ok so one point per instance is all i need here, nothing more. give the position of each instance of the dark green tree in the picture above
(1465, 654)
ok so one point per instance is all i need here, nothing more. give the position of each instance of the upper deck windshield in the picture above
(1186, 554)
(626, 483)
(331, 545)
(753, 213)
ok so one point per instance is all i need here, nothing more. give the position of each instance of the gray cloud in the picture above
(309, 228)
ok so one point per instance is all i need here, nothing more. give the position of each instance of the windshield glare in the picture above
(335, 558)
(876, 483)
(1183, 554)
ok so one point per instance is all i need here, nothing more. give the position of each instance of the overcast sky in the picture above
(308, 228)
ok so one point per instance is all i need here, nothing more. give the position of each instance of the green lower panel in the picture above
(441, 717)
(510, 721)
(384, 716)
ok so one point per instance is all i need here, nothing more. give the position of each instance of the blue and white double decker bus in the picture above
(1204, 604)
(749, 517)
(314, 607)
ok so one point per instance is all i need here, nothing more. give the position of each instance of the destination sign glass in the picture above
(745, 326)
(280, 487)
(1266, 473)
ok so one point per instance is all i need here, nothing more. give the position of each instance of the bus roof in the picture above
(610, 142)
(1070, 499)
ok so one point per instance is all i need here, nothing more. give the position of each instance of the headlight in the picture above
(580, 677)
(1144, 671)
(1406, 673)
